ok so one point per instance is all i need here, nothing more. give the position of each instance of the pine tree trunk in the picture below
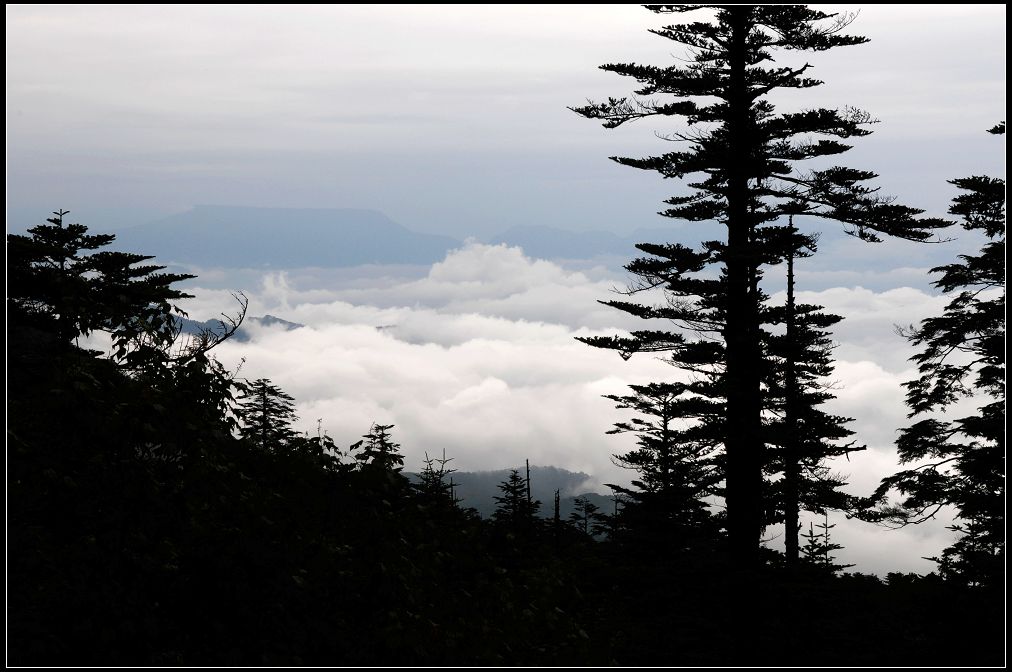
(743, 485)
(792, 467)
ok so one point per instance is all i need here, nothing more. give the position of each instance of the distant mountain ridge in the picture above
(217, 236)
(193, 327)
(220, 236)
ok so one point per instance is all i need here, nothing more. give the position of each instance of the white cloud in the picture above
(479, 357)
(478, 289)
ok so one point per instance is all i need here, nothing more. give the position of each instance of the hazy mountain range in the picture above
(244, 237)
(194, 327)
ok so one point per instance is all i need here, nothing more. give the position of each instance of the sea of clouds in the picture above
(478, 355)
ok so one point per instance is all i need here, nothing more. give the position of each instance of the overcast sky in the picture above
(448, 119)
(454, 120)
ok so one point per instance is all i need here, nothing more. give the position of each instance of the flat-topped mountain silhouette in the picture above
(248, 237)
(224, 236)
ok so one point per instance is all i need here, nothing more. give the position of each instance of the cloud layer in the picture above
(479, 357)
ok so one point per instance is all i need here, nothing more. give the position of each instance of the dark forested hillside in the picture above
(162, 512)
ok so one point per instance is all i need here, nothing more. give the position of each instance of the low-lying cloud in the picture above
(478, 357)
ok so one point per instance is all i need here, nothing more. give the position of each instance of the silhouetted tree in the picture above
(62, 286)
(321, 447)
(802, 435)
(674, 461)
(377, 450)
(586, 518)
(98, 446)
(514, 506)
(818, 549)
(435, 481)
(380, 463)
(747, 158)
(266, 414)
(961, 461)
(612, 524)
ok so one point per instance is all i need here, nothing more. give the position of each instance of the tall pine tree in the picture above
(746, 162)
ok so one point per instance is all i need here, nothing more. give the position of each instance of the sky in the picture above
(450, 120)
(454, 120)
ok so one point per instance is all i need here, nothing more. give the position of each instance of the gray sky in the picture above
(448, 119)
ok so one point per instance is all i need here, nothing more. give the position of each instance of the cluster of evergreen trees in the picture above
(749, 425)
(161, 511)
